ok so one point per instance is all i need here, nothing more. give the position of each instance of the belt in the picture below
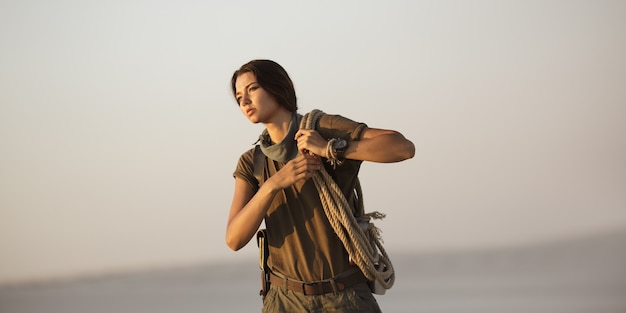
(318, 287)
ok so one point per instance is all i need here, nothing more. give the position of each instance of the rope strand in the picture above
(360, 238)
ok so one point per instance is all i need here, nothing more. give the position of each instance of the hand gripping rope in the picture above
(360, 237)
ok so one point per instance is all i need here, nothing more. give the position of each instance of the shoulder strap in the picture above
(261, 235)
(259, 165)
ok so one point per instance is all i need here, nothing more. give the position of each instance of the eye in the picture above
(238, 100)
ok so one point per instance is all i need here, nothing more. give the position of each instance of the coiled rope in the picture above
(360, 238)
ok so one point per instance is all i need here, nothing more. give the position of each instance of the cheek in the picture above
(269, 101)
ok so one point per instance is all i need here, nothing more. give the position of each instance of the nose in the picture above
(245, 99)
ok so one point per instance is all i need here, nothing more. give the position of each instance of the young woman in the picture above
(309, 267)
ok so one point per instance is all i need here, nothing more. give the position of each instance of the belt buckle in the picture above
(314, 285)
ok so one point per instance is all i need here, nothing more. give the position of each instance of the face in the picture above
(254, 102)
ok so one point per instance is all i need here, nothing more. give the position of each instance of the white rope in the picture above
(360, 237)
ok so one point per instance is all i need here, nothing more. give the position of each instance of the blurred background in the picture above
(119, 136)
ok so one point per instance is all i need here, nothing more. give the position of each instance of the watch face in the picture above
(341, 144)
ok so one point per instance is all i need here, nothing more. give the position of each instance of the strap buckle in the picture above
(314, 288)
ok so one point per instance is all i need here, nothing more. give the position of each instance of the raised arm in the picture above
(375, 145)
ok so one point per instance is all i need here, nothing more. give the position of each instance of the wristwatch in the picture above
(340, 146)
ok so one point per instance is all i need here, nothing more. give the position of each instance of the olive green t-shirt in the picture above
(302, 243)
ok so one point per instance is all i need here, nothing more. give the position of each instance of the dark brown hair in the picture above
(273, 78)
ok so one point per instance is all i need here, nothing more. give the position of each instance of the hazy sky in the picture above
(119, 134)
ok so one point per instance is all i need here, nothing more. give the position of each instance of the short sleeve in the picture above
(245, 169)
(337, 126)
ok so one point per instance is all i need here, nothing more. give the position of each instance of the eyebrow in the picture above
(246, 87)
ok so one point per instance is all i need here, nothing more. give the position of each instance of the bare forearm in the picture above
(388, 147)
(242, 227)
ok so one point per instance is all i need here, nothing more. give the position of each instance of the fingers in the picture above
(301, 140)
(308, 162)
(298, 134)
(310, 141)
(303, 167)
(306, 165)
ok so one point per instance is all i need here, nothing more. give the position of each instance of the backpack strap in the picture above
(259, 165)
(261, 235)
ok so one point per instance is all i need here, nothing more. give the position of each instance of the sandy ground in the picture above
(586, 275)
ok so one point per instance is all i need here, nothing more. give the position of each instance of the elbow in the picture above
(233, 243)
(409, 150)
(405, 149)
(403, 155)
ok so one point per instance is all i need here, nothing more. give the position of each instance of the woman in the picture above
(310, 268)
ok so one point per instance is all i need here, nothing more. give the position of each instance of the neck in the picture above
(279, 126)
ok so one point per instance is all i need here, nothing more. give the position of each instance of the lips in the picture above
(250, 112)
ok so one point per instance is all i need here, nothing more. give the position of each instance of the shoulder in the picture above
(248, 155)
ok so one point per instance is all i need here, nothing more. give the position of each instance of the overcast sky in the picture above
(119, 134)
